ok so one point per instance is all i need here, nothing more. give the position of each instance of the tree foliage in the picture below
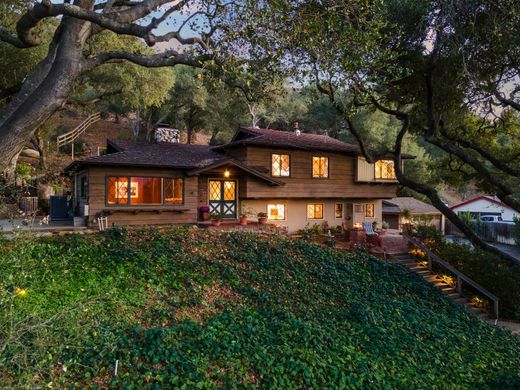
(435, 67)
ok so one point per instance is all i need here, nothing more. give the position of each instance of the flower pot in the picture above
(382, 232)
(205, 216)
(216, 223)
(243, 220)
(262, 220)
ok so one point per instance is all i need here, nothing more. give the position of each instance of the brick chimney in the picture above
(296, 128)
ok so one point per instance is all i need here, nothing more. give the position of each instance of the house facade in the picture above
(297, 179)
(406, 209)
(486, 205)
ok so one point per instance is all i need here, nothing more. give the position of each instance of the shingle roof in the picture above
(414, 205)
(289, 139)
(166, 155)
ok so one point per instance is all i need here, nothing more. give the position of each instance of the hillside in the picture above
(189, 307)
(94, 138)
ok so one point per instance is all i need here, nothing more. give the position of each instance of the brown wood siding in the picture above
(301, 184)
(97, 193)
(237, 153)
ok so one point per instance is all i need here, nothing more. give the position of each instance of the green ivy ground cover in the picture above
(192, 309)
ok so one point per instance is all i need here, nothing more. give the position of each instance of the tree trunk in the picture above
(40, 145)
(45, 90)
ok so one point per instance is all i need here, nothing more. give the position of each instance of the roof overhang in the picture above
(240, 166)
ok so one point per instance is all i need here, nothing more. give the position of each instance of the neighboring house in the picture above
(419, 211)
(296, 178)
(486, 205)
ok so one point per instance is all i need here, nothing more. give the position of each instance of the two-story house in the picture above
(296, 178)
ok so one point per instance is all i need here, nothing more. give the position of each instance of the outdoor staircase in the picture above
(436, 281)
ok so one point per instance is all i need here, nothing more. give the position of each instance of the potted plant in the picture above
(243, 219)
(204, 213)
(245, 213)
(216, 219)
(384, 227)
(262, 218)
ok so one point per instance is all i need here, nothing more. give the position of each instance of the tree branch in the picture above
(168, 58)
(497, 163)
(6, 36)
(507, 102)
(120, 22)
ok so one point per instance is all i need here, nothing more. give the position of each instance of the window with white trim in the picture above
(276, 212)
(315, 211)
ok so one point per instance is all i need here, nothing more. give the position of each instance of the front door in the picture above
(223, 198)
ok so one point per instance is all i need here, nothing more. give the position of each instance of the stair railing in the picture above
(432, 257)
(71, 136)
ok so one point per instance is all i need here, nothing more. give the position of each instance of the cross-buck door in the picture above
(223, 198)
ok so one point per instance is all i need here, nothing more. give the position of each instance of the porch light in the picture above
(226, 173)
(357, 225)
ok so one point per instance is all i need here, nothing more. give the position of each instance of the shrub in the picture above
(494, 273)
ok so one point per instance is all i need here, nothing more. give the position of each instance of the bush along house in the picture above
(296, 179)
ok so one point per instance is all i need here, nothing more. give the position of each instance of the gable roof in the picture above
(490, 199)
(409, 203)
(161, 155)
(239, 165)
(288, 139)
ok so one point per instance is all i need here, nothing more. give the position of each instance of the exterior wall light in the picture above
(226, 173)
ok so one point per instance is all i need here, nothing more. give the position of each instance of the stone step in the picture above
(437, 282)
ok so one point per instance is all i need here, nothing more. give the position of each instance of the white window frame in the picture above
(276, 205)
(322, 211)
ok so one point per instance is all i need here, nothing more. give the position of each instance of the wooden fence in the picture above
(69, 137)
(29, 204)
(502, 232)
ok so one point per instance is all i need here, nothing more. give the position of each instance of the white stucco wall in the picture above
(485, 206)
(296, 211)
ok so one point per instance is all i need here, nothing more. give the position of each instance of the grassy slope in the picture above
(185, 307)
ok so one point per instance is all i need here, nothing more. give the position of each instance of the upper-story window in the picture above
(320, 167)
(385, 169)
(280, 165)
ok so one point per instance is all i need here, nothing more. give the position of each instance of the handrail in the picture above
(460, 276)
(78, 130)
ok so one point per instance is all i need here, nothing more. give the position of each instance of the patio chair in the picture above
(102, 223)
(368, 227)
(372, 235)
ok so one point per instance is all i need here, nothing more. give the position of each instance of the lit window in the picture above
(338, 210)
(117, 190)
(173, 191)
(369, 210)
(315, 211)
(276, 212)
(229, 190)
(280, 165)
(385, 169)
(145, 190)
(320, 167)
